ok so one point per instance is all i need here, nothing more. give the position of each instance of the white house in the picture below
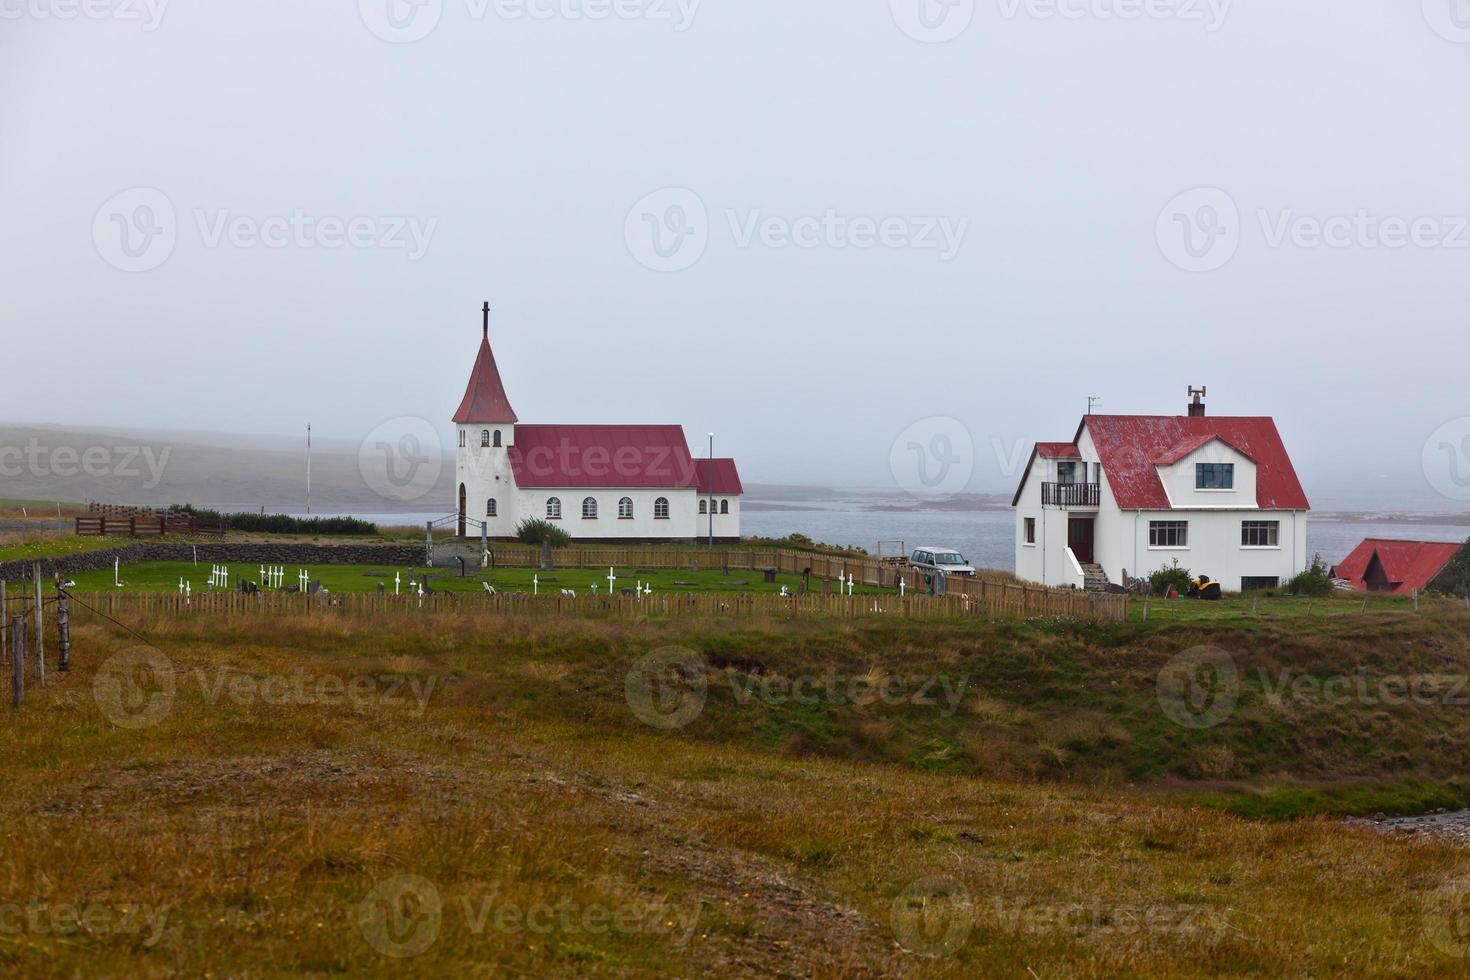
(623, 483)
(1131, 493)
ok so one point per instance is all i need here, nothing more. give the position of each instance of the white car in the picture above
(946, 560)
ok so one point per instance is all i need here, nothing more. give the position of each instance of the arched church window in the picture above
(661, 509)
(553, 508)
(703, 506)
(724, 506)
(589, 509)
(496, 441)
(625, 509)
(490, 507)
(485, 437)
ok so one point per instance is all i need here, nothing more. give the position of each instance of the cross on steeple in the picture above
(487, 320)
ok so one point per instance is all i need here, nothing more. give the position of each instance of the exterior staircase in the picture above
(1094, 579)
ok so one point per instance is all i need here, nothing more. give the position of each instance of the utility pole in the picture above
(308, 469)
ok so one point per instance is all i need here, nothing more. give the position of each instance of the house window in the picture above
(661, 509)
(1260, 534)
(1168, 534)
(1067, 473)
(495, 440)
(724, 506)
(703, 506)
(589, 509)
(461, 438)
(1251, 583)
(1214, 476)
(553, 508)
(490, 507)
(1030, 530)
(484, 438)
(625, 509)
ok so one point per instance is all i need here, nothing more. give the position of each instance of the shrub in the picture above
(281, 523)
(1173, 575)
(1315, 581)
(535, 531)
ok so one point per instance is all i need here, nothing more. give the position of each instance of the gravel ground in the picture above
(1452, 825)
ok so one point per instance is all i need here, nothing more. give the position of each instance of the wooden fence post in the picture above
(17, 661)
(40, 632)
(63, 626)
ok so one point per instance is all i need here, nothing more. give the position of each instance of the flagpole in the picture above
(308, 469)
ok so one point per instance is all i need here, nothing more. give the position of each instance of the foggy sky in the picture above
(520, 141)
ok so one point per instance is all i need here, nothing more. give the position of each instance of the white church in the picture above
(613, 483)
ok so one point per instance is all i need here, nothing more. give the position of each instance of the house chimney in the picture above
(1196, 406)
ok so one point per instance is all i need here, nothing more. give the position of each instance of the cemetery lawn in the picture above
(158, 577)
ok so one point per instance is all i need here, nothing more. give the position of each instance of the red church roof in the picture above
(1131, 446)
(1405, 565)
(718, 476)
(602, 457)
(484, 398)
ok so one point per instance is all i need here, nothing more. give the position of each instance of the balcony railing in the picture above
(1070, 494)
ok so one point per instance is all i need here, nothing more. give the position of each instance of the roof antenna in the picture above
(1092, 402)
(486, 328)
(1197, 407)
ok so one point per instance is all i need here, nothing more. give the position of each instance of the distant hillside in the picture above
(229, 472)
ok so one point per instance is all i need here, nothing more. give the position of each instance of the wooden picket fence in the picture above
(997, 601)
(149, 526)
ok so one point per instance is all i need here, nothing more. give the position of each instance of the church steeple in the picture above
(484, 397)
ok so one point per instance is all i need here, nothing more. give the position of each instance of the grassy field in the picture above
(327, 795)
(165, 576)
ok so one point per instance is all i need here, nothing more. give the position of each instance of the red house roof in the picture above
(717, 476)
(602, 456)
(1058, 450)
(1193, 442)
(1130, 448)
(1383, 564)
(484, 397)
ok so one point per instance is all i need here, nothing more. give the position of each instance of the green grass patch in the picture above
(1293, 803)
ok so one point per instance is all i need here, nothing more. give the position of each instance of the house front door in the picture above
(1079, 538)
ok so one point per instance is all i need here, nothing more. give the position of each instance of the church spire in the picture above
(484, 397)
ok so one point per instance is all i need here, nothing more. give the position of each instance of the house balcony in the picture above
(1070, 494)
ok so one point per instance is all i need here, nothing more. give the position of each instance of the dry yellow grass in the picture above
(273, 819)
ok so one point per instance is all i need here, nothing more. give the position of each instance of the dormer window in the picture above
(1214, 476)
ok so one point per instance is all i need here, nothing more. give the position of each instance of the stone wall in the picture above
(224, 553)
